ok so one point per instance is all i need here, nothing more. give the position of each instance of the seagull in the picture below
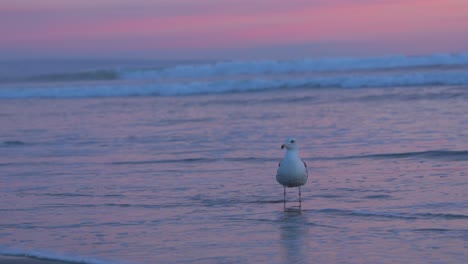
(292, 170)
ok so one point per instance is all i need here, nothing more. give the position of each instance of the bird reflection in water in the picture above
(293, 230)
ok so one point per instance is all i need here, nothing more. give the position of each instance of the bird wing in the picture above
(305, 164)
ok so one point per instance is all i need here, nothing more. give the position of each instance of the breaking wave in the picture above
(242, 76)
(234, 68)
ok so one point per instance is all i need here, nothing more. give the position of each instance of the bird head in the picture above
(289, 144)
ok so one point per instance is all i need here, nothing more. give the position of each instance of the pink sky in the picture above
(197, 29)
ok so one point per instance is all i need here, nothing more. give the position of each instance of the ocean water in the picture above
(158, 162)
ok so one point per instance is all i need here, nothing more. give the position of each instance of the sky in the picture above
(230, 29)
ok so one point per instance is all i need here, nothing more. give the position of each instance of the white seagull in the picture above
(292, 170)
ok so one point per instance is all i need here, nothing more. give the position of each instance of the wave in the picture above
(72, 90)
(450, 155)
(13, 143)
(193, 160)
(45, 255)
(235, 68)
(201, 70)
(431, 154)
(243, 76)
(75, 76)
(397, 215)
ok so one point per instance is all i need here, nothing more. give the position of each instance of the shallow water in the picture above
(192, 178)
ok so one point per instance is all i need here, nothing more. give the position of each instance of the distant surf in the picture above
(241, 76)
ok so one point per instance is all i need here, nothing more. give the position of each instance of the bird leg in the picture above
(284, 196)
(299, 195)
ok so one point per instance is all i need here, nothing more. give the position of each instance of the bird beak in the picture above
(283, 146)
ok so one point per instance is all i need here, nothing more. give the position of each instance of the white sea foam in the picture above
(234, 68)
(229, 86)
(229, 77)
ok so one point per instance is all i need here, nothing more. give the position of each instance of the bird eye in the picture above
(292, 141)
